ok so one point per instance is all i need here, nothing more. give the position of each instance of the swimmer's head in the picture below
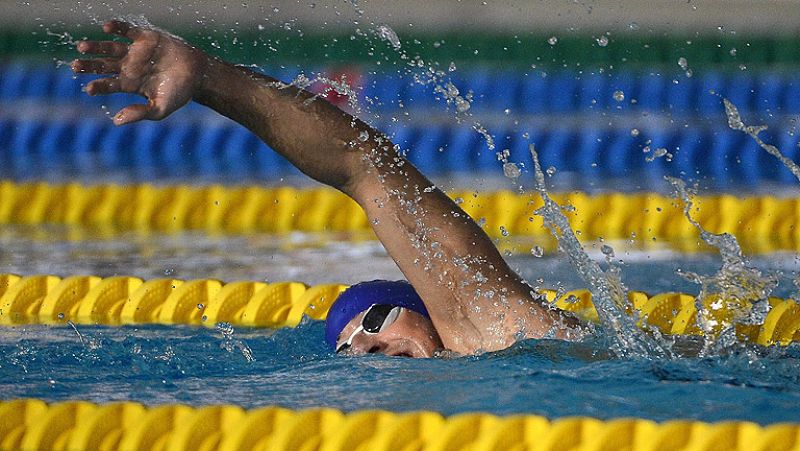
(381, 316)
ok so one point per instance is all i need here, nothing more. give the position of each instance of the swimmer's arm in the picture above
(475, 300)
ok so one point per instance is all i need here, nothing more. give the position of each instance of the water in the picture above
(293, 368)
(631, 375)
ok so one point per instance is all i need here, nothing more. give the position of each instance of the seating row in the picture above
(181, 149)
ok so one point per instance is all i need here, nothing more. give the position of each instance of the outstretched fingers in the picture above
(121, 28)
(101, 86)
(139, 111)
(107, 48)
(131, 113)
(97, 66)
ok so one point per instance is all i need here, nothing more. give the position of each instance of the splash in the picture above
(608, 292)
(735, 122)
(736, 295)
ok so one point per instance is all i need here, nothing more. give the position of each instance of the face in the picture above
(410, 335)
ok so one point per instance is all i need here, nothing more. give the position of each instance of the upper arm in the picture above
(475, 300)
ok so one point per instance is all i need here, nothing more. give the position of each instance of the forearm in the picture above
(322, 141)
(475, 300)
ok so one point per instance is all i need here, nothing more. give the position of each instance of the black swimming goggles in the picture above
(375, 320)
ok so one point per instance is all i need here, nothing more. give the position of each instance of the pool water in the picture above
(293, 367)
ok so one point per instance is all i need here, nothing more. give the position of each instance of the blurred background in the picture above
(614, 94)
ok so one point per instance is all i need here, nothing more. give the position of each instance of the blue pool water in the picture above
(293, 368)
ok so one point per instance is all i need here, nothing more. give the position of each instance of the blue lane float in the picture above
(531, 92)
(31, 149)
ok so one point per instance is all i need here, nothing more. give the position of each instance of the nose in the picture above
(366, 344)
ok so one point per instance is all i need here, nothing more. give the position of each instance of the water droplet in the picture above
(602, 41)
(658, 153)
(386, 33)
(537, 251)
(61, 315)
(732, 51)
(683, 63)
(503, 231)
(452, 67)
(619, 96)
(169, 271)
(200, 306)
(550, 171)
(553, 40)
(204, 318)
(633, 26)
(607, 250)
(363, 136)
(634, 132)
(511, 170)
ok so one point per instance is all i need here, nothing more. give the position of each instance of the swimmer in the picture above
(460, 296)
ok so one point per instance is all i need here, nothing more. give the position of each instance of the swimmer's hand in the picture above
(156, 65)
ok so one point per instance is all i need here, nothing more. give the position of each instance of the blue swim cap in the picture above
(361, 296)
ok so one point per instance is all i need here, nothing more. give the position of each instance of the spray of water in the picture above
(608, 292)
(735, 122)
(737, 294)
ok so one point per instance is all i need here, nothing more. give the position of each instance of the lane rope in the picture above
(31, 424)
(126, 300)
(761, 223)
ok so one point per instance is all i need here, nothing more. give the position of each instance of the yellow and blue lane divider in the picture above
(761, 223)
(124, 300)
(31, 424)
